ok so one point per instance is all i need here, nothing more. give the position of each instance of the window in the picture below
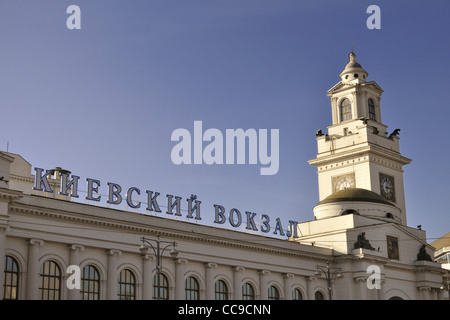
(345, 110)
(90, 283)
(273, 293)
(389, 215)
(297, 295)
(392, 247)
(50, 281)
(247, 292)
(221, 290)
(444, 259)
(126, 288)
(11, 284)
(192, 289)
(371, 105)
(319, 295)
(163, 292)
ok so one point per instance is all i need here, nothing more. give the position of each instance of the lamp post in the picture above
(330, 274)
(158, 248)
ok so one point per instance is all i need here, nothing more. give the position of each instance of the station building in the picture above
(357, 246)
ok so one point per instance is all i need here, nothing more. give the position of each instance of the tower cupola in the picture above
(353, 72)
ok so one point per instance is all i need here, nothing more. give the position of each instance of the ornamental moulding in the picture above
(139, 229)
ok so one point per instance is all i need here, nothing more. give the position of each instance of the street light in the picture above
(158, 248)
(330, 274)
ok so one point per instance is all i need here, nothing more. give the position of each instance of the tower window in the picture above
(371, 105)
(345, 110)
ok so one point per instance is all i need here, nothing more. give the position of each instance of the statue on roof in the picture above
(363, 243)
(423, 255)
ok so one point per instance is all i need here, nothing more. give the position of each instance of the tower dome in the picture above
(357, 201)
(355, 194)
(353, 72)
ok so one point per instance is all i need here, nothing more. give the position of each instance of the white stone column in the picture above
(209, 278)
(310, 287)
(75, 249)
(381, 292)
(288, 277)
(148, 265)
(32, 291)
(237, 282)
(362, 283)
(2, 258)
(425, 291)
(263, 274)
(111, 290)
(180, 266)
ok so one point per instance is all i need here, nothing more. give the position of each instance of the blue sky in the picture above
(103, 101)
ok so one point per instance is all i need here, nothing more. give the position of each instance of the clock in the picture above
(344, 182)
(387, 187)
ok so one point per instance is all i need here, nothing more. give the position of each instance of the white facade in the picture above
(40, 231)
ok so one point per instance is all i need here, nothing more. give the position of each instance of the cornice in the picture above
(340, 155)
(10, 195)
(147, 229)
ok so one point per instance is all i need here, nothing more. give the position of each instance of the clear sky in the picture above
(104, 100)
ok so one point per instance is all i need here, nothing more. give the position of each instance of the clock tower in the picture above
(358, 151)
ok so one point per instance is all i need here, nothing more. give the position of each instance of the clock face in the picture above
(344, 182)
(387, 189)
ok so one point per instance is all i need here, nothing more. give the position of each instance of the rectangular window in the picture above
(392, 248)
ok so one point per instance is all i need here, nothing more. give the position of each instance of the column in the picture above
(180, 266)
(209, 277)
(149, 264)
(2, 258)
(310, 288)
(287, 285)
(75, 249)
(237, 282)
(263, 274)
(111, 290)
(32, 291)
(362, 283)
(381, 292)
(425, 291)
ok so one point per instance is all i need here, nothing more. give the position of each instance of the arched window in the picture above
(248, 293)
(395, 298)
(192, 289)
(345, 110)
(50, 281)
(126, 289)
(90, 283)
(160, 292)
(371, 106)
(273, 293)
(11, 284)
(297, 294)
(319, 296)
(389, 215)
(221, 290)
